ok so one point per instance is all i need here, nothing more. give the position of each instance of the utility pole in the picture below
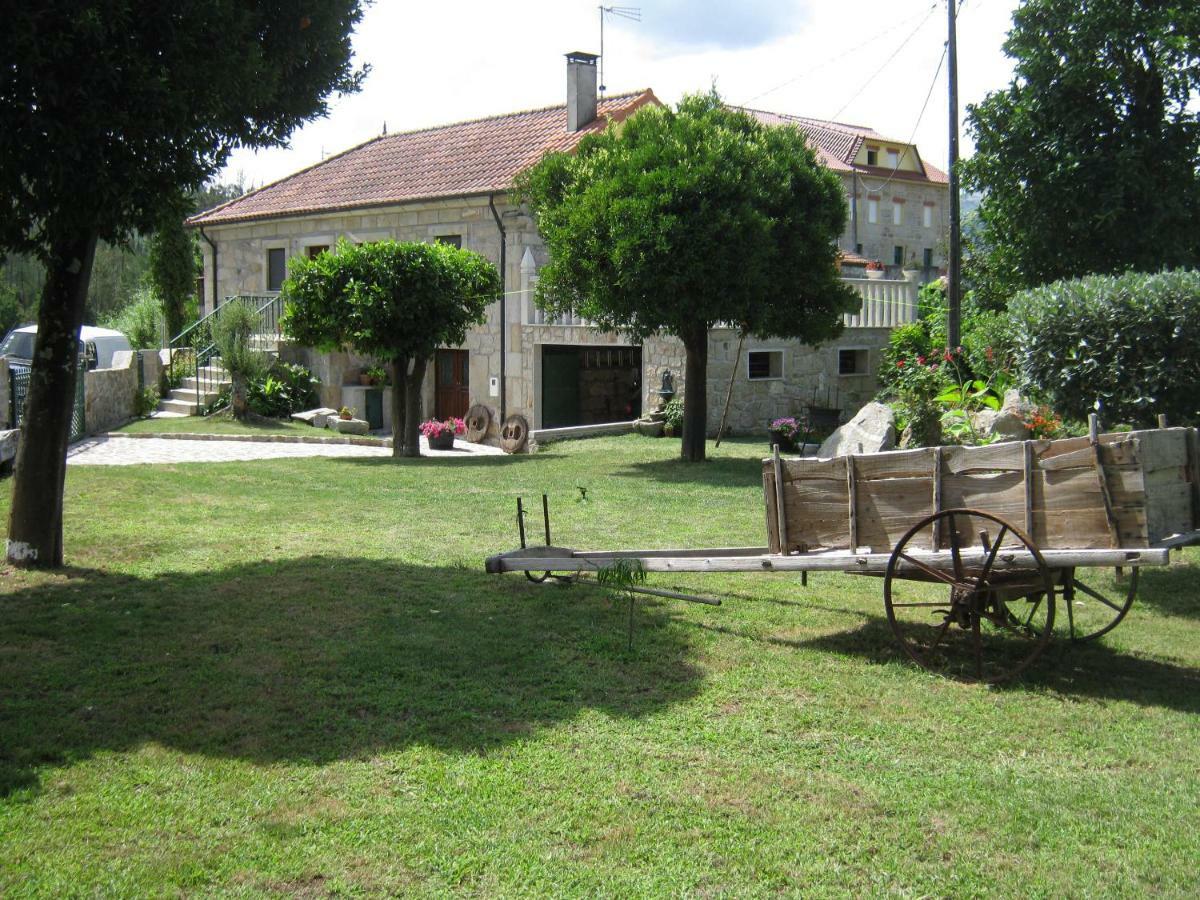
(954, 279)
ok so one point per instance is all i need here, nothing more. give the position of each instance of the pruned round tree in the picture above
(109, 111)
(677, 220)
(394, 301)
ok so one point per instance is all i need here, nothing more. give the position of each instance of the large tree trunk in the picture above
(695, 395)
(412, 406)
(35, 518)
(399, 367)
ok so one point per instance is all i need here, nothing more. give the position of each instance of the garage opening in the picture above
(590, 385)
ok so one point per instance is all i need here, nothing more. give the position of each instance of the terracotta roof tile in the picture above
(476, 157)
(837, 144)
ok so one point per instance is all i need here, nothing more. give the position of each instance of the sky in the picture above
(866, 62)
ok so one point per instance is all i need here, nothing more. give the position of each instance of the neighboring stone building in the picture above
(452, 183)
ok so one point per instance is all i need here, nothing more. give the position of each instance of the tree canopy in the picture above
(676, 220)
(1090, 159)
(394, 301)
(109, 110)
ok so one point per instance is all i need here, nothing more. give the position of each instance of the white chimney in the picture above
(581, 89)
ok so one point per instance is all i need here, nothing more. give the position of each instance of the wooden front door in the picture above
(452, 378)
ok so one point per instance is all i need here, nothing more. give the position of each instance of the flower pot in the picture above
(786, 442)
(443, 441)
(365, 380)
(875, 274)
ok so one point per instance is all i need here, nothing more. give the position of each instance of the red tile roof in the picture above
(837, 144)
(467, 158)
(483, 156)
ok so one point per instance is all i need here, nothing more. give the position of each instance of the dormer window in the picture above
(894, 158)
(872, 156)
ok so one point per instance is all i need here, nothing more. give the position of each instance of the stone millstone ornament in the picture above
(872, 430)
(513, 434)
(478, 421)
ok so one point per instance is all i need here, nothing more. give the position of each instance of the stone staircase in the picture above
(188, 398)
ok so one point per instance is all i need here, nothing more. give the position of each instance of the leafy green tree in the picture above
(109, 109)
(394, 301)
(680, 219)
(1088, 159)
(174, 267)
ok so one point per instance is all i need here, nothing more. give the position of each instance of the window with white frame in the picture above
(897, 212)
(927, 216)
(764, 365)
(872, 210)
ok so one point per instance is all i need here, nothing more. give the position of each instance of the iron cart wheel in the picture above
(977, 621)
(1098, 606)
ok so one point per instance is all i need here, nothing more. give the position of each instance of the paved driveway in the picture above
(125, 451)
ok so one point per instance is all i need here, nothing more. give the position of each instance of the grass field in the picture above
(293, 677)
(220, 424)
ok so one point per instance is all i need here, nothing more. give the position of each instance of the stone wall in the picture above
(807, 373)
(109, 394)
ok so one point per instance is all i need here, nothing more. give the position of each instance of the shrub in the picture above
(141, 321)
(285, 389)
(1129, 343)
(673, 414)
(233, 332)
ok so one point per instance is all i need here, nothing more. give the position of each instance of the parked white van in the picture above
(96, 345)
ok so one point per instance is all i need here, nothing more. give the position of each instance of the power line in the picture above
(885, 64)
(887, 31)
(912, 136)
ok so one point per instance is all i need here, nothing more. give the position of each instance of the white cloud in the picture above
(438, 63)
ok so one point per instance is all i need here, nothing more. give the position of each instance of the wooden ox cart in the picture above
(976, 546)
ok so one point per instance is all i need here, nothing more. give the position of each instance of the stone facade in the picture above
(807, 375)
(879, 239)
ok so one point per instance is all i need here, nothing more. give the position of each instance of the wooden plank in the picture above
(1027, 483)
(894, 464)
(852, 502)
(780, 510)
(992, 458)
(936, 537)
(873, 563)
(1194, 472)
(888, 507)
(1094, 436)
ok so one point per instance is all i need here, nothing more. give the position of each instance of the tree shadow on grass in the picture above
(1171, 590)
(314, 660)
(1089, 669)
(719, 472)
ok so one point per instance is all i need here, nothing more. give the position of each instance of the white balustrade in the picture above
(886, 303)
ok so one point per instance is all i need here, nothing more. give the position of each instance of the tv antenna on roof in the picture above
(633, 13)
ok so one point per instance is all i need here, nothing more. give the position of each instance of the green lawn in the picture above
(293, 677)
(220, 424)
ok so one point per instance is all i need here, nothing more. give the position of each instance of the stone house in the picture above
(452, 182)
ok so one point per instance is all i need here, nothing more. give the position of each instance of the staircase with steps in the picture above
(192, 395)
(198, 391)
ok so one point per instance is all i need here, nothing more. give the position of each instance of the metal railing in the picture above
(194, 349)
(18, 383)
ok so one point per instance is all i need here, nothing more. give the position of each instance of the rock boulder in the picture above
(872, 429)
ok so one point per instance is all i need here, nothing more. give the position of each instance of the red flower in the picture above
(921, 360)
(899, 364)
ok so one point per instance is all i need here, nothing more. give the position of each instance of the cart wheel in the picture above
(1097, 606)
(982, 622)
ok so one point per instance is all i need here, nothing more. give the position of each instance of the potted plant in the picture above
(346, 413)
(378, 375)
(440, 435)
(875, 269)
(785, 432)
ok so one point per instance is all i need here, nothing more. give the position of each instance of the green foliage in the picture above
(673, 414)
(1130, 343)
(12, 311)
(233, 331)
(1087, 160)
(679, 219)
(286, 388)
(173, 268)
(394, 301)
(145, 402)
(141, 321)
(390, 300)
